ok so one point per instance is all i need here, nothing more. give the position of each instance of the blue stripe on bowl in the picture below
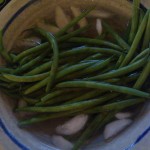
(3, 127)
(12, 137)
(139, 139)
(17, 14)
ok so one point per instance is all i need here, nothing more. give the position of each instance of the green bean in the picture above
(41, 118)
(26, 60)
(136, 41)
(98, 122)
(33, 50)
(85, 96)
(25, 79)
(119, 40)
(84, 49)
(95, 56)
(93, 126)
(104, 86)
(52, 41)
(135, 20)
(53, 94)
(30, 101)
(60, 74)
(121, 58)
(3, 79)
(36, 86)
(57, 93)
(143, 76)
(97, 66)
(73, 68)
(59, 99)
(120, 71)
(13, 56)
(127, 31)
(40, 69)
(30, 64)
(95, 42)
(116, 105)
(77, 106)
(3, 52)
(73, 22)
(141, 55)
(72, 34)
(141, 16)
(146, 39)
(125, 80)
(46, 66)
(6, 70)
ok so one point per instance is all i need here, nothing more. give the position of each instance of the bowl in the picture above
(18, 16)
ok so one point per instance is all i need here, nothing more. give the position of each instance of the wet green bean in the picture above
(146, 39)
(136, 41)
(25, 79)
(73, 22)
(103, 86)
(79, 105)
(135, 20)
(96, 42)
(120, 71)
(52, 42)
(119, 40)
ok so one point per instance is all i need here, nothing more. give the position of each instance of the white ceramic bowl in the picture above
(19, 15)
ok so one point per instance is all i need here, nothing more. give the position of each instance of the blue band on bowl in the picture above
(12, 137)
(17, 14)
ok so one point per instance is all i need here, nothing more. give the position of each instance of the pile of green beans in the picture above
(71, 74)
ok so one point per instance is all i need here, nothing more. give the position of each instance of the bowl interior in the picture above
(24, 16)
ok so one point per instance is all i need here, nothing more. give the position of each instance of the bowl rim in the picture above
(2, 125)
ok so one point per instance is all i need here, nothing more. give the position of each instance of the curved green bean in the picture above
(40, 69)
(120, 71)
(141, 55)
(41, 118)
(146, 39)
(52, 41)
(95, 42)
(25, 79)
(5, 70)
(30, 64)
(36, 87)
(86, 96)
(118, 39)
(61, 98)
(57, 93)
(97, 123)
(79, 105)
(31, 51)
(73, 68)
(121, 58)
(116, 105)
(84, 49)
(95, 56)
(73, 22)
(136, 41)
(135, 20)
(143, 76)
(74, 33)
(60, 74)
(104, 86)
